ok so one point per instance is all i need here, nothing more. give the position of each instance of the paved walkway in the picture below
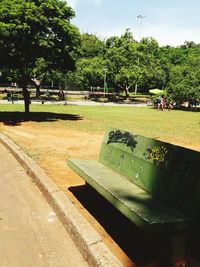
(77, 103)
(31, 234)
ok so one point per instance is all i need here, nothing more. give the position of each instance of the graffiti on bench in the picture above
(122, 137)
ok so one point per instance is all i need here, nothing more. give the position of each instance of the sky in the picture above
(170, 22)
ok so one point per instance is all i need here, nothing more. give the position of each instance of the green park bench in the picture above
(156, 185)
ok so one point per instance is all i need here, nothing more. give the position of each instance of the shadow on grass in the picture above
(16, 118)
(197, 109)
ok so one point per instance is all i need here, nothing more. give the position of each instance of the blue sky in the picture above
(168, 21)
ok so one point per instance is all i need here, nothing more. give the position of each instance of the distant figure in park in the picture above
(170, 105)
(61, 95)
(9, 96)
(47, 94)
(163, 103)
(158, 102)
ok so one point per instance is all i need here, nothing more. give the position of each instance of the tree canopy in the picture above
(37, 41)
(35, 29)
(144, 65)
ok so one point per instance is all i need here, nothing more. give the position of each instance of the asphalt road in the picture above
(30, 232)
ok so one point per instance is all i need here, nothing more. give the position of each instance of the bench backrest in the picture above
(170, 173)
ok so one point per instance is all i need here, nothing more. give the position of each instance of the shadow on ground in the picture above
(16, 118)
(143, 249)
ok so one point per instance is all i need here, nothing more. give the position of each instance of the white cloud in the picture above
(74, 3)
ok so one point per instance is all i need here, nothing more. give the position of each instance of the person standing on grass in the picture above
(163, 102)
(61, 95)
(170, 105)
(158, 101)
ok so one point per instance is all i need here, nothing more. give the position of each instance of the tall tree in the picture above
(90, 64)
(123, 61)
(33, 29)
(185, 79)
(38, 74)
(91, 46)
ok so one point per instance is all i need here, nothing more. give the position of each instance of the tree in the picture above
(38, 74)
(91, 46)
(90, 63)
(152, 64)
(185, 80)
(91, 71)
(123, 61)
(35, 29)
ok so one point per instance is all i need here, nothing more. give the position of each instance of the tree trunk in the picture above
(26, 95)
(136, 86)
(127, 92)
(37, 86)
(37, 90)
(24, 79)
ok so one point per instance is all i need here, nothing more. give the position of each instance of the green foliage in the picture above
(90, 63)
(33, 29)
(123, 61)
(38, 41)
(92, 70)
(91, 46)
(130, 65)
(185, 78)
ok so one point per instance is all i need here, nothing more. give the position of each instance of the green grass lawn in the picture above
(178, 127)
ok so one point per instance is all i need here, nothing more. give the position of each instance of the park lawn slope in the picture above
(177, 127)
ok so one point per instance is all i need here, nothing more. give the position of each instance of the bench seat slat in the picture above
(134, 202)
